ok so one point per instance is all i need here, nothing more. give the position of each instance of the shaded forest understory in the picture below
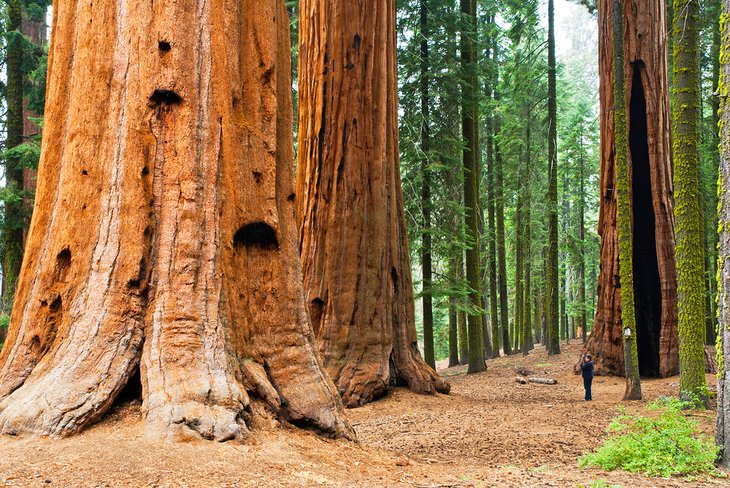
(489, 432)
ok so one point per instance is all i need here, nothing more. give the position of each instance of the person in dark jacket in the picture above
(587, 368)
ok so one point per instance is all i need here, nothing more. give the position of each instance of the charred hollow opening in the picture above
(164, 46)
(131, 392)
(316, 309)
(647, 284)
(63, 263)
(256, 235)
(165, 97)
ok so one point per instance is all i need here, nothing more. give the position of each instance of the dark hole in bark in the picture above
(141, 274)
(35, 343)
(165, 97)
(394, 277)
(395, 379)
(56, 304)
(291, 197)
(647, 285)
(256, 234)
(356, 43)
(164, 46)
(84, 172)
(316, 308)
(63, 262)
(145, 171)
(132, 391)
(258, 177)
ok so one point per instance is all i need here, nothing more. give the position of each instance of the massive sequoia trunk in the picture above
(164, 236)
(654, 270)
(353, 243)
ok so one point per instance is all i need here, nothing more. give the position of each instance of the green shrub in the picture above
(4, 323)
(665, 443)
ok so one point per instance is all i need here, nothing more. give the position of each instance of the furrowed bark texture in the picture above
(723, 274)
(163, 236)
(357, 274)
(687, 215)
(472, 162)
(647, 118)
(623, 213)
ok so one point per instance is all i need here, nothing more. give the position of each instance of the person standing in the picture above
(587, 368)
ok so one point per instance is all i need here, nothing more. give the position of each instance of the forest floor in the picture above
(490, 431)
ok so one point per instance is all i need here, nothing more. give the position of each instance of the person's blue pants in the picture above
(587, 382)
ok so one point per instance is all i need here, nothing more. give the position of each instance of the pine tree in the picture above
(470, 133)
(426, 249)
(623, 211)
(688, 218)
(723, 275)
(553, 339)
(13, 222)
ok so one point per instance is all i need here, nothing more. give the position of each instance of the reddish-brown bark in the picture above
(645, 53)
(357, 274)
(163, 235)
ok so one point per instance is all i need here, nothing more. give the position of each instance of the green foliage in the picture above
(599, 483)
(663, 443)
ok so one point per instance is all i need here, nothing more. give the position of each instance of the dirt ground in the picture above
(490, 431)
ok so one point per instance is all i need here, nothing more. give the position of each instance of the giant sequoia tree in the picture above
(649, 165)
(163, 236)
(353, 242)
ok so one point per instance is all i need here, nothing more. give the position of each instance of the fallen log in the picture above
(540, 381)
(543, 381)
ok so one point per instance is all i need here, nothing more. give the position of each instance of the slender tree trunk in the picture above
(526, 254)
(12, 249)
(426, 264)
(453, 335)
(583, 314)
(551, 275)
(519, 267)
(711, 258)
(491, 201)
(187, 267)
(536, 316)
(651, 206)
(723, 276)
(463, 339)
(470, 133)
(357, 274)
(687, 215)
(501, 251)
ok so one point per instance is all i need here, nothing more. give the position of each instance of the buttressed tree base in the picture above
(648, 137)
(354, 249)
(163, 236)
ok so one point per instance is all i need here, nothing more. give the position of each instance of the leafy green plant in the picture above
(600, 484)
(663, 443)
(4, 323)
